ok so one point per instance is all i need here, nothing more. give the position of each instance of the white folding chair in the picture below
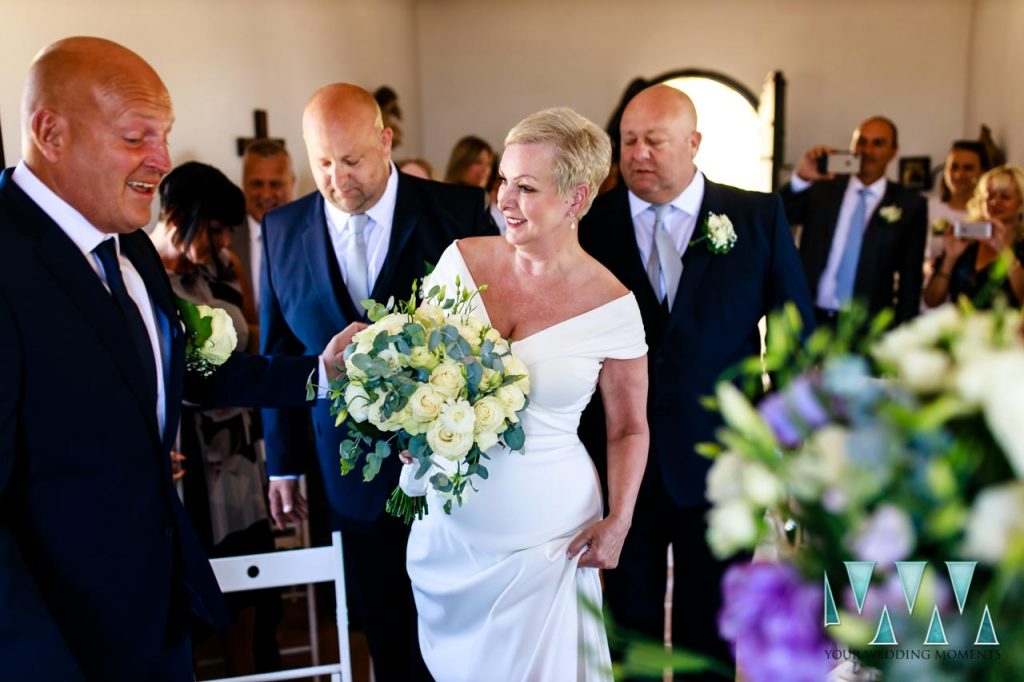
(292, 567)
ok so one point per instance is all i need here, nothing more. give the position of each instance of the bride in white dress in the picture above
(502, 585)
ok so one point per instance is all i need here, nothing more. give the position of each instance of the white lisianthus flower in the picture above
(512, 400)
(458, 416)
(395, 360)
(731, 528)
(447, 379)
(392, 323)
(429, 315)
(486, 440)
(425, 403)
(357, 402)
(924, 371)
(223, 339)
(996, 522)
(422, 357)
(490, 415)
(444, 443)
(515, 366)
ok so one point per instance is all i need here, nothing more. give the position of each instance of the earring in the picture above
(572, 220)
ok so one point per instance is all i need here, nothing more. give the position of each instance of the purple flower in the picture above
(794, 412)
(774, 621)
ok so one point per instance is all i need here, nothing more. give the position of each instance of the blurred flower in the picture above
(794, 412)
(996, 523)
(732, 526)
(886, 536)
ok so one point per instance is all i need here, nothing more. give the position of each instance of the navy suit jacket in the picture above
(712, 326)
(96, 553)
(889, 269)
(304, 302)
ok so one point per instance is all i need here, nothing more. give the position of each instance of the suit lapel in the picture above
(697, 256)
(320, 256)
(403, 223)
(66, 264)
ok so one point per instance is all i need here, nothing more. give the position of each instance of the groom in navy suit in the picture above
(100, 571)
(700, 312)
(368, 232)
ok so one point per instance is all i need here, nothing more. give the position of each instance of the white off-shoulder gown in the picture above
(497, 596)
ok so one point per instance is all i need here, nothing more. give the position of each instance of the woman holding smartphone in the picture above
(965, 267)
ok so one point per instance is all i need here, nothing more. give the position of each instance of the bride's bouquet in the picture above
(432, 379)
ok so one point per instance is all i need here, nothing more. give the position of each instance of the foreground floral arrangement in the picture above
(882, 480)
(436, 381)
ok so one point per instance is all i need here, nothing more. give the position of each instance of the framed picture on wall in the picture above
(916, 172)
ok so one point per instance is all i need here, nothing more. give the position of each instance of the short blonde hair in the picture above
(1007, 175)
(583, 152)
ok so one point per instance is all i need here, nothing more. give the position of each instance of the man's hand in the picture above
(333, 355)
(807, 167)
(177, 468)
(286, 503)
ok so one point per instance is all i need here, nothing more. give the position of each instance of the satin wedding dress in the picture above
(497, 596)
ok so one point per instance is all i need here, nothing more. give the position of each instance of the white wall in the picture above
(484, 66)
(220, 59)
(995, 96)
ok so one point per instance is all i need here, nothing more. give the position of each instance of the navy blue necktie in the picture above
(846, 275)
(107, 253)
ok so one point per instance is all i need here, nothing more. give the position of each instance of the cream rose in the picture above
(486, 439)
(425, 404)
(429, 315)
(513, 366)
(512, 400)
(392, 324)
(924, 370)
(447, 379)
(472, 336)
(393, 423)
(223, 339)
(490, 415)
(444, 443)
(458, 416)
(358, 402)
(422, 357)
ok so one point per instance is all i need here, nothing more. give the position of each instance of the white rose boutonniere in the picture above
(718, 232)
(210, 336)
(890, 213)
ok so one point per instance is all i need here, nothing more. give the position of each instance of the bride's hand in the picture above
(600, 543)
(405, 457)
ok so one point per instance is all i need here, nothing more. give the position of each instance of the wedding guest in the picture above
(268, 181)
(470, 162)
(965, 267)
(700, 312)
(863, 236)
(367, 232)
(965, 163)
(416, 167)
(100, 570)
(224, 493)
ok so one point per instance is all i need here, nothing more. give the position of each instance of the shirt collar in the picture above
(875, 189)
(688, 201)
(85, 236)
(382, 213)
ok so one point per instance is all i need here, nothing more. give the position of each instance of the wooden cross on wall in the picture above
(259, 124)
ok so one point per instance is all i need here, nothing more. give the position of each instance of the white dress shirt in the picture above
(377, 232)
(681, 221)
(86, 237)
(826, 294)
(255, 257)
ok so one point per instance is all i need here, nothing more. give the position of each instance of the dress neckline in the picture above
(481, 309)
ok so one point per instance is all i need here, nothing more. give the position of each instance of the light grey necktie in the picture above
(664, 265)
(357, 275)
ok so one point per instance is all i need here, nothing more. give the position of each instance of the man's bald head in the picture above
(659, 140)
(348, 146)
(95, 122)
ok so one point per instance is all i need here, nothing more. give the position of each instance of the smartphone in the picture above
(980, 230)
(839, 163)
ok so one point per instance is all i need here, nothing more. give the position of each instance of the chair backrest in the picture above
(292, 567)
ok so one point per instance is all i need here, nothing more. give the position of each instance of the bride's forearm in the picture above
(627, 459)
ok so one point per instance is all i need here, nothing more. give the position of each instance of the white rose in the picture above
(422, 357)
(351, 370)
(429, 315)
(395, 360)
(413, 426)
(937, 323)
(364, 339)
(392, 323)
(723, 479)
(760, 485)
(444, 443)
(425, 404)
(458, 416)
(223, 339)
(731, 527)
(486, 440)
(515, 366)
(471, 336)
(392, 423)
(493, 336)
(490, 415)
(512, 400)
(358, 402)
(1002, 405)
(996, 522)
(923, 370)
(447, 379)
(894, 344)
(489, 379)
